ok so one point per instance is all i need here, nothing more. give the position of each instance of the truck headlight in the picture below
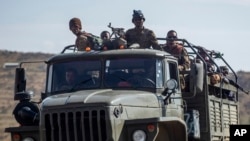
(139, 135)
(28, 139)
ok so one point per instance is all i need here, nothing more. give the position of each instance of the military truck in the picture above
(127, 95)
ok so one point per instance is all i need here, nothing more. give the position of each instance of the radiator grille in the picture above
(87, 125)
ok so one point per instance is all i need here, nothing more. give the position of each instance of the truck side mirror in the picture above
(20, 81)
(170, 87)
(196, 78)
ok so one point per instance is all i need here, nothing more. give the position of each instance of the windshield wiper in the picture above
(78, 84)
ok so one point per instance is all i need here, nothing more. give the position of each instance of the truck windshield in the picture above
(75, 75)
(133, 72)
(112, 73)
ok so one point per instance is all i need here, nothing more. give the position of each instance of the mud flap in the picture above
(171, 128)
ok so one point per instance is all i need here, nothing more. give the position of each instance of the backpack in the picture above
(95, 41)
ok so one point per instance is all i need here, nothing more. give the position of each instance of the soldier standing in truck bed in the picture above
(106, 41)
(83, 38)
(176, 49)
(141, 35)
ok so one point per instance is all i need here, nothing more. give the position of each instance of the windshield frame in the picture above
(87, 71)
(53, 70)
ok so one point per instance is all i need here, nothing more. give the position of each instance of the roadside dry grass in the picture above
(36, 81)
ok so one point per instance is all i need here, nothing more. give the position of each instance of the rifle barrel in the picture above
(238, 86)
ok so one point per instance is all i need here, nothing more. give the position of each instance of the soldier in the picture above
(83, 38)
(70, 79)
(176, 49)
(106, 41)
(105, 35)
(141, 35)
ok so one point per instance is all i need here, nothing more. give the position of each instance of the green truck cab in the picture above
(125, 95)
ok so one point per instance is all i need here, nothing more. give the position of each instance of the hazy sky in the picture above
(42, 26)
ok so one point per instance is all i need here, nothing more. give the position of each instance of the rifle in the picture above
(238, 86)
(118, 32)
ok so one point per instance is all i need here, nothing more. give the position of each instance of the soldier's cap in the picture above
(74, 22)
(138, 14)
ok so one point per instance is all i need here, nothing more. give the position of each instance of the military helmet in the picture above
(138, 14)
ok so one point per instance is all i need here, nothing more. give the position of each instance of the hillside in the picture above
(36, 80)
(7, 77)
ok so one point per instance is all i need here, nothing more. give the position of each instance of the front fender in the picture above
(23, 132)
(171, 129)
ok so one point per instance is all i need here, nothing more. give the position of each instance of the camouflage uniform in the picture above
(141, 35)
(183, 60)
(181, 53)
(82, 41)
(144, 37)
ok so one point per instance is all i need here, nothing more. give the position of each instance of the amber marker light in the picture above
(151, 128)
(16, 137)
(105, 48)
(87, 49)
(121, 47)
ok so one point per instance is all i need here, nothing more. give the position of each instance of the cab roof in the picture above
(109, 54)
